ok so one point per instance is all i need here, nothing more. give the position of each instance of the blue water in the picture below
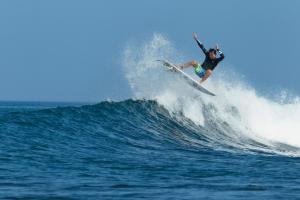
(131, 150)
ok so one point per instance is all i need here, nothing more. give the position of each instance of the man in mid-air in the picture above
(211, 61)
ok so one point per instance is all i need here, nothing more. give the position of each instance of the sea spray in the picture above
(237, 104)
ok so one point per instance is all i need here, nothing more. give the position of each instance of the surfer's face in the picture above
(212, 55)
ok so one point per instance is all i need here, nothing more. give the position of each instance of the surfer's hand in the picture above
(195, 36)
(217, 47)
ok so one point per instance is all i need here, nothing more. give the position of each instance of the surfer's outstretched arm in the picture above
(207, 74)
(222, 56)
(200, 44)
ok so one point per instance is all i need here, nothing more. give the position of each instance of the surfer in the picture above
(211, 61)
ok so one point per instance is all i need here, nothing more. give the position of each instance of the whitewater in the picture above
(238, 111)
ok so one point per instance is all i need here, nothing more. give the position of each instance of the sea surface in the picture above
(135, 149)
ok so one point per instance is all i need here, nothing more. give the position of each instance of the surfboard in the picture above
(188, 78)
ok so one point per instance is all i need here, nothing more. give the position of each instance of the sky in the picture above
(71, 50)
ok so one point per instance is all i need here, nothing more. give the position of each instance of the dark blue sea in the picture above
(134, 149)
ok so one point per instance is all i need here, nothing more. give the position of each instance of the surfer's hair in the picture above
(213, 50)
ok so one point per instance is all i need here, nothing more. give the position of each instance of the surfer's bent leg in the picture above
(192, 63)
(206, 75)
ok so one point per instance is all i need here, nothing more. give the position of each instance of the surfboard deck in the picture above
(188, 78)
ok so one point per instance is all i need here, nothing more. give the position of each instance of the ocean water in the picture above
(167, 141)
(135, 149)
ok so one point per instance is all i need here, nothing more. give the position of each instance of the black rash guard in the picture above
(208, 62)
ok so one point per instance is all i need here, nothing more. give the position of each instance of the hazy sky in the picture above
(70, 50)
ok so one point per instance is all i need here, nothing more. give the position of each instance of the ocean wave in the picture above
(138, 124)
(237, 112)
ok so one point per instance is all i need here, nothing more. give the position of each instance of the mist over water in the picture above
(271, 121)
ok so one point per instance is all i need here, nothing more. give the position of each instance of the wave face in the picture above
(137, 149)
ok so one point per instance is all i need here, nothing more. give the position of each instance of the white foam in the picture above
(237, 103)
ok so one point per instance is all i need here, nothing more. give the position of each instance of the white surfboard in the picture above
(187, 77)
